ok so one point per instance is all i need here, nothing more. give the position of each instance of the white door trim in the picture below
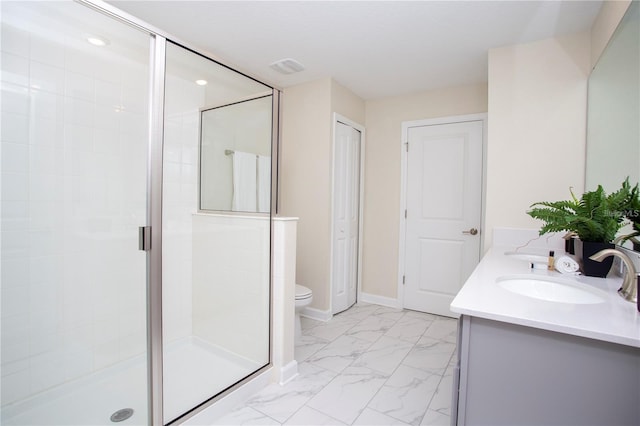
(359, 127)
(406, 125)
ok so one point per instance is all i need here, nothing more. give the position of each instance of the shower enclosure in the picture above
(123, 299)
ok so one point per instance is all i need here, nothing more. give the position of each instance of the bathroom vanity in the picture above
(564, 352)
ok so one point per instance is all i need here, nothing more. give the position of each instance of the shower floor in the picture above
(194, 371)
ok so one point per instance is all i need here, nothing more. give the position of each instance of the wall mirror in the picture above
(235, 155)
(613, 123)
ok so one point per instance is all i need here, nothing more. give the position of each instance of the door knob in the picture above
(472, 231)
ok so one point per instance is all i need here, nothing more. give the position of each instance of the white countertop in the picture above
(615, 320)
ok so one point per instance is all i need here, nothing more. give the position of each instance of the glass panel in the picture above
(215, 267)
(74, 155)
(235, 156)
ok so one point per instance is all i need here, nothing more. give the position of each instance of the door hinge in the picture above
(406, 144)
(144, 238)
(405, 213)
(403, 279)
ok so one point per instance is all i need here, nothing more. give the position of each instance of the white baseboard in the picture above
(380, 300)
(316, 314)
(325, 316)
(288, 372)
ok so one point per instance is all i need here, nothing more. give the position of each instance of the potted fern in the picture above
(596, 218)
(632, 214)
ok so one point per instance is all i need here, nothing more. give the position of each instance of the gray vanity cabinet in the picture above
(508, 374)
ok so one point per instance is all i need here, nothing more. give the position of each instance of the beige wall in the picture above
(536, 98)
(537, 127)
(346, 103)
(305, 179)
(305, 183)
(605, 24)
(383, 123)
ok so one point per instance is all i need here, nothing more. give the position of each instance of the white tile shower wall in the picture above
(73, 153)
(231, 283)
(180, 181)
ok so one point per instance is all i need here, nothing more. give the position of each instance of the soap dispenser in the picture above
(551, 262)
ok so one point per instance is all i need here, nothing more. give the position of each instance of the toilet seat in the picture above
(302, 292)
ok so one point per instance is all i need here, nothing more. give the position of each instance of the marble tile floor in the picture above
(370, 365)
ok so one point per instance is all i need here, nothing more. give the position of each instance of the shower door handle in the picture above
(144, 238)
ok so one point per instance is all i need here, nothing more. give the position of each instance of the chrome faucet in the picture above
(622, 238)
(629, 289)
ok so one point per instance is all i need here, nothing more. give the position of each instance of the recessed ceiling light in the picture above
(97, 41)
(287, 66)
(201, 82)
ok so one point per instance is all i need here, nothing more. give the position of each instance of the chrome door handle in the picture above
(144, 238)
(472, 231)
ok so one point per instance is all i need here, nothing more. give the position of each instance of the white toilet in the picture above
(304, 296)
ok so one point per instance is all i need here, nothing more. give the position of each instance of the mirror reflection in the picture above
(613, 126)
(235, 156)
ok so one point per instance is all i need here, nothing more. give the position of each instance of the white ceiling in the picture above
(375, 48)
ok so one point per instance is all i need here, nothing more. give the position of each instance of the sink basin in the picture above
(528, 257)
(552, 289)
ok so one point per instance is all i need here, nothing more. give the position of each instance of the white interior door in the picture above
(444, 195)
(346, 215)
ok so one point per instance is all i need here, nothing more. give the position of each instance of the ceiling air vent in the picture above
(287, 66)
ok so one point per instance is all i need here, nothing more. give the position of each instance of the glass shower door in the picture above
(215, 262)
(74, 192)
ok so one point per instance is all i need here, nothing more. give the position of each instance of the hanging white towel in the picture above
(244, 182)
(264, 183)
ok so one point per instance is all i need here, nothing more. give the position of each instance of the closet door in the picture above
(346, 214)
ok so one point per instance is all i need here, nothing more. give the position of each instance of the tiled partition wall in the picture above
(231, 284)
(73, 194)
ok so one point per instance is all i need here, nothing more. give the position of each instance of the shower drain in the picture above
(122, 415)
